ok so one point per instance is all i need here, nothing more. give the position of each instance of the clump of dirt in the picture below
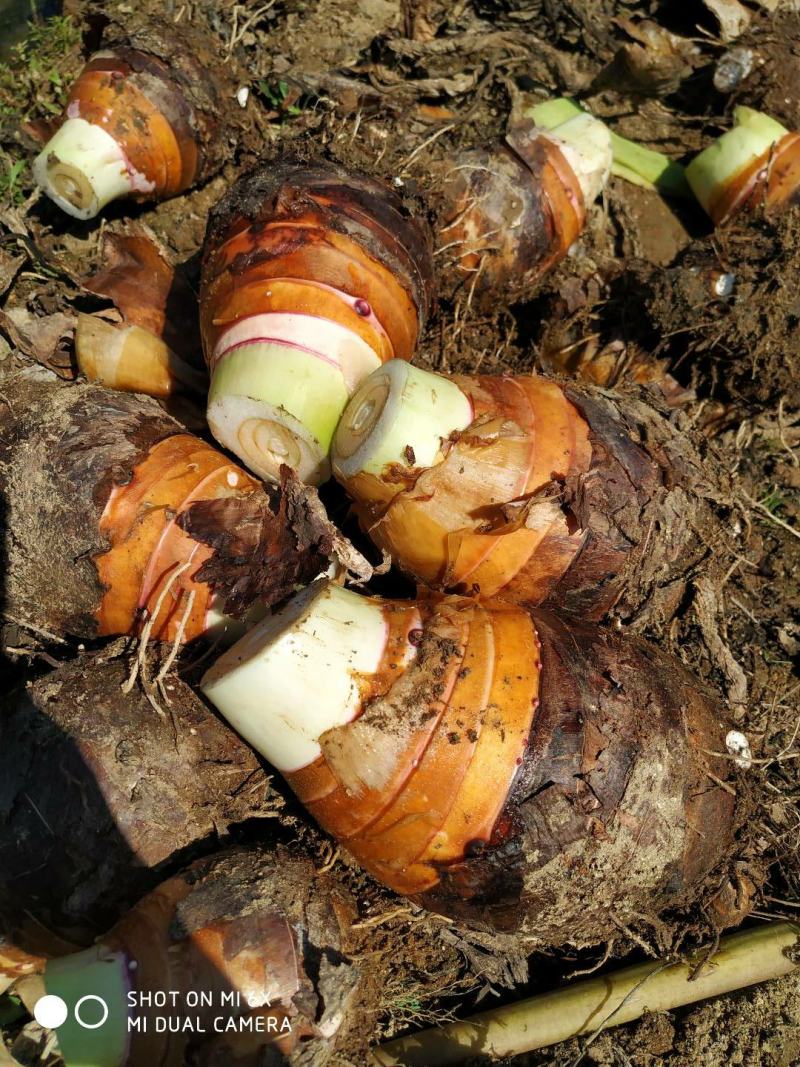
(744, 341)
(772, 81)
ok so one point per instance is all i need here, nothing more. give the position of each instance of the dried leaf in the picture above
(304, 501)
(149, 292)
(267, 543)
(45, 338)
(655, 64)
(132, 359)
(10, 266)
(732, 17)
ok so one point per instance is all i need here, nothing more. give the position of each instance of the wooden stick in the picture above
(743, 959)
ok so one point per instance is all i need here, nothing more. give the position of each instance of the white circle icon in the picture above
(103, 1005)
(50, 1011)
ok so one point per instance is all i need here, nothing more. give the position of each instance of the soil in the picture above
(393, 86)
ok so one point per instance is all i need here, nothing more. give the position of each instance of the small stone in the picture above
(738, 746)
(732, 69)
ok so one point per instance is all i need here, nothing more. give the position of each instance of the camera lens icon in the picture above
(51, 1011)
(81, 1016)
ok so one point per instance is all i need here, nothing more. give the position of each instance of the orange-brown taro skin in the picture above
(199, 932)
(448, 787)
(511, 212)
(448, 528)
(149, 292)
(609, 804)
(147, 546)
(257, 296)
(303, 249)
(291, 222)
(110, 100)
(772, 181)
(539, 776)
(127, 492)
(606, 472)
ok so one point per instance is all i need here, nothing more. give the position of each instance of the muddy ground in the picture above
(393, 85)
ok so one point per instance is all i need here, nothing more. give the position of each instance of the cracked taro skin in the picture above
(318, 222)
(613, 810)
(508, 214)
(130, 805)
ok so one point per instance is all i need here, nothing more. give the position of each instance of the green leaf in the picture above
(11, 1009)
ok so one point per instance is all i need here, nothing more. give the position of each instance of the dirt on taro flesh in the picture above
(395, 87)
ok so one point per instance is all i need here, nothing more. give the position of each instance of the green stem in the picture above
(552, 113)
(636, 164)
(648, 168)
(94, 985)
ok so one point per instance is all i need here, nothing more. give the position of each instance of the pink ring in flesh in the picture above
(335, 345)
(351, 302)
